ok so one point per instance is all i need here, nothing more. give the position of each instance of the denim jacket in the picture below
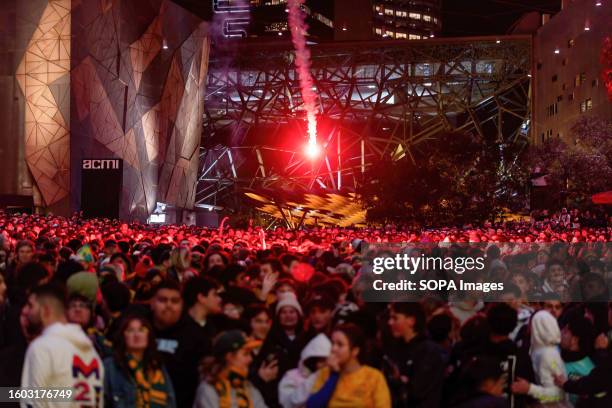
(120, 390)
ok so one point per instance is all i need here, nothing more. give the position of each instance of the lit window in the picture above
(401, 35)
(414, 37)
(416, 16)
(389, 12)
(402, 13)
(426, 18)
(379, 31)
(390, 33)
(586, 105)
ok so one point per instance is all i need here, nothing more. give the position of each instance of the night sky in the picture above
(488, 17)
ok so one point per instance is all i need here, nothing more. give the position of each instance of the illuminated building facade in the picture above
(569, 69)
(407, 19)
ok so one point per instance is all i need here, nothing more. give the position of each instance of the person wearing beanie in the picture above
(288, 299)
(84, 284)
(281, 348)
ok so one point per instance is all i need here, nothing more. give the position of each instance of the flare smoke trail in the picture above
(298, 29)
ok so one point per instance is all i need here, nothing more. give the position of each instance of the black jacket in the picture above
(182, 348)
(415, 373)
(515, 362)
(483, 401)
(595, 389)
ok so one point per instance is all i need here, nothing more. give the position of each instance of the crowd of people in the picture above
(136, 315)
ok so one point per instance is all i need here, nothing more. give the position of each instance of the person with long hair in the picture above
(135, 376)
(345, 382)
(225, 384)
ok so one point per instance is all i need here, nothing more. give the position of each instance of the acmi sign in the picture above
(100, 164)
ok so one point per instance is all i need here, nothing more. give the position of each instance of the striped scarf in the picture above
(151, 388)
(232, 379)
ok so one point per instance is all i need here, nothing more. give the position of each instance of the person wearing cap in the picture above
(226, 384)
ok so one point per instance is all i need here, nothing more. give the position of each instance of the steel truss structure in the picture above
(376, 99)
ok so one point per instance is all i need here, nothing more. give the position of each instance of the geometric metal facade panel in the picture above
(44, 78)
(138, 77)
(375, 100)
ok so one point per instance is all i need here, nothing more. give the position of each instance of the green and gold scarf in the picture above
(232, 379)
(151, 388)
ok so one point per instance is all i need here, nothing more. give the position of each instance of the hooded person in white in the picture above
(62, 356)
(296, 385)
(546, 360)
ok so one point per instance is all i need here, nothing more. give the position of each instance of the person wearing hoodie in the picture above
(547, 363)
(62, 356)
(295, 386)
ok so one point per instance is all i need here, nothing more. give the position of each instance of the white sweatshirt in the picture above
(546, 359)
(64, 357)
(296, 385)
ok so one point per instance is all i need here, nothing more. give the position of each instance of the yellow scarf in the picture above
(236, 379)
(150, 387)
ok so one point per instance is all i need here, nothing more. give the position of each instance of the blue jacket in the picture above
(120, 390)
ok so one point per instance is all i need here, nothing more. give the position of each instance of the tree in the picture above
(453, 180)
(580, 166)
